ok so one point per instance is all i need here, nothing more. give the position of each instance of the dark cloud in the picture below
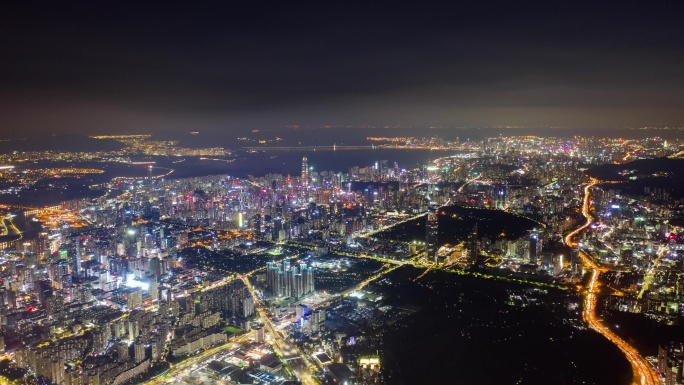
(126, 67)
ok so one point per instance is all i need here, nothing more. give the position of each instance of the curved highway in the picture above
(643, 374)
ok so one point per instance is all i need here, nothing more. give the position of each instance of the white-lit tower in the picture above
(305, 178)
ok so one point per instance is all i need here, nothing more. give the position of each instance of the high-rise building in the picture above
(256, 220)
(55, 274)
(671, 363)
(289, 281)
(157, 348)
(501, 197)
(305, 178)
(260, 335)
(154, 289)
(308, 277)
(431, 230)
(535, 246)
(300, 311)
(122, 351)
(474, 245)
(139, 352)
(77, 258)
(134, 299)
(277, 227)
(155, 267)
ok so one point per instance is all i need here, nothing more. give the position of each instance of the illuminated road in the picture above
(12, 229)
(643, 374)
(305, 365)
(283, 348)
(365, 282)
(422, 275)
(460, 189)
(585, 211)
(677, 155)
(185, 366)
(370, 233)
(650, 274)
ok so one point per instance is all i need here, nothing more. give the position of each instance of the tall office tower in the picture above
(474, 245)
(535, 248)
(77, 257)
(155, 267)
(431, 228)
(256, 220)
(305, 178)
(277, 227)
(501, 197)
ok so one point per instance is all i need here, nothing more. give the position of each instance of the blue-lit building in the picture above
(431, 231)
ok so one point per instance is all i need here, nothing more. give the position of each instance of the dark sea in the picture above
(269, 156)
(290, 162)
(354, 136)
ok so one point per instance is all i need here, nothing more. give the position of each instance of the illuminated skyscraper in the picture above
(671, 363)
(77, 258)
(474, 245)
(431, 229)
(289, 280)
(256, 220)
(501, 197)
(305, 178)
(534, 246)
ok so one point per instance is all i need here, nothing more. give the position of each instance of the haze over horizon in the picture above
(122, 68)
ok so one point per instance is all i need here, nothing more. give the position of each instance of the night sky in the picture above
(89, 67)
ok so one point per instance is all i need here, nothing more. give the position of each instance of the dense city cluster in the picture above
(280, 278)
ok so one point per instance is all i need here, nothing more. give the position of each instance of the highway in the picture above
(677, 155)
(371, 233)
(460, 189)
(586, 205)
(12, 229)
(643, 374)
